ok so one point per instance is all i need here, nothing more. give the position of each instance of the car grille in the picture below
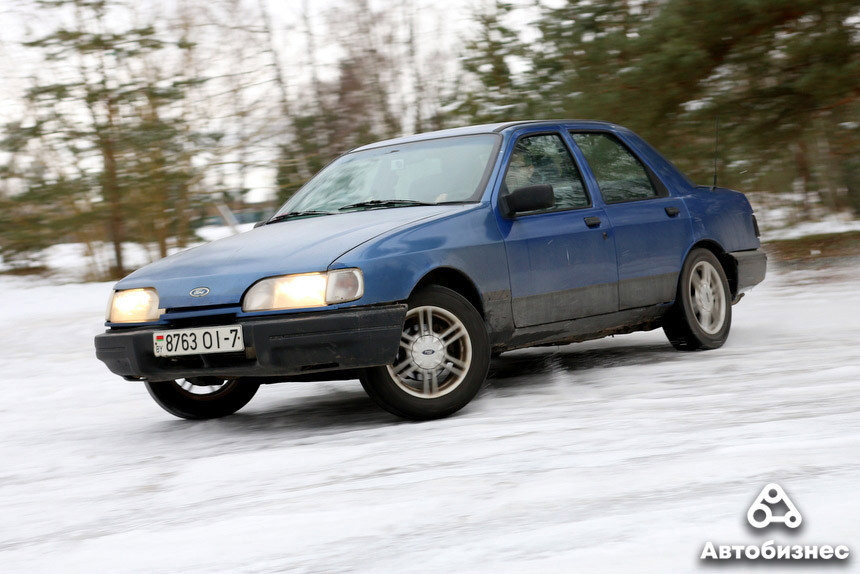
(202, 320)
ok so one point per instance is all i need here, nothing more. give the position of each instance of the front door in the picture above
(562, 260)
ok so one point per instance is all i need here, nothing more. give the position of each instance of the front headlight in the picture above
(133, 306)
(304, 290)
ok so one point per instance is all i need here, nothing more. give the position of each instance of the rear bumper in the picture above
(751, 269)
(289, 345)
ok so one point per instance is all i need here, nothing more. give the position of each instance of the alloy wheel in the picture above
(203, 388)
(435, 353)
(707, 297)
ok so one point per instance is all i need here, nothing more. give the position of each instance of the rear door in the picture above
(561, 260)
(652, 228)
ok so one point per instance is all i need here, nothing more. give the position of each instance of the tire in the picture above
(702, 314)
(189, 399)
(434, 375)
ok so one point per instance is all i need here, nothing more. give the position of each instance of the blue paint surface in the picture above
(505, 258)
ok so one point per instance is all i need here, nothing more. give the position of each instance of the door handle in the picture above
(672, 211)
(592, 221)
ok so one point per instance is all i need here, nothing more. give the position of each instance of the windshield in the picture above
(436, 171)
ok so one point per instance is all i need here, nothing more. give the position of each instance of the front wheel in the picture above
(443, 358)
(702, 314)
(202, 397)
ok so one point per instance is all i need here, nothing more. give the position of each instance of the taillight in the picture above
(755, 226)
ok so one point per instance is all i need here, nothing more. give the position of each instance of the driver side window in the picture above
(544, 159)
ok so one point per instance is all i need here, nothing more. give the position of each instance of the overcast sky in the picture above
(442, 27)
(21, 20)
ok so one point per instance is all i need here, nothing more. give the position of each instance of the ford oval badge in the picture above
(199, 292)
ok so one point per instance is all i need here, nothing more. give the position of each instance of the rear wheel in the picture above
(442, 361)
(702, 314)
(202, 397)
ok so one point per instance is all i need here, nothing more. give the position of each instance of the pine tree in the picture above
(108, 119)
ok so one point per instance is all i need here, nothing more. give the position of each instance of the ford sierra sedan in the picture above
(408, 263)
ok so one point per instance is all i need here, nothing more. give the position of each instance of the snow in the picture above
(614, 455)
(213, 232)
(824, 226)
(791, 216)
(71, 262)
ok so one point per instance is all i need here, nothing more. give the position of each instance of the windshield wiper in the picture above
(294, 214)
(384, 203)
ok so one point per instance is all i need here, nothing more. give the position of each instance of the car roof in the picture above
(487, 129)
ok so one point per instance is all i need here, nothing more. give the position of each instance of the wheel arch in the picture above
(455, 280)
(727, 261)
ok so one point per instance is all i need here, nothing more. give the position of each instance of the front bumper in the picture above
(289, 345)
(751, 269)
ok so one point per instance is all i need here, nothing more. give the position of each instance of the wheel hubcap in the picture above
(435, 353)
(428, 352)
(707, 297)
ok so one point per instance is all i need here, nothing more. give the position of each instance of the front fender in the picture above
(467, 241)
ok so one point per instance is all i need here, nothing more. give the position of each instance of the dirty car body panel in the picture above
(548, 277)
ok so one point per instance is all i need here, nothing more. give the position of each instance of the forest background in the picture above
(135, 123)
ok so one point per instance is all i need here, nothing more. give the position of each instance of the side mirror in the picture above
(529, 198)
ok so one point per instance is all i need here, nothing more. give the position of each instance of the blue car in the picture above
(408, 263)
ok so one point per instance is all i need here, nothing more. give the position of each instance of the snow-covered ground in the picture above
(615, 455)
(788, 216)
(79, 262)
(824, 226)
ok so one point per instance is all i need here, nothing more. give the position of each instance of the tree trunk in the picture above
(301, 161)
(111, 192)
(802, 162)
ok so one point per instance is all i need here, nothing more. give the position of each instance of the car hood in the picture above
(227, 267)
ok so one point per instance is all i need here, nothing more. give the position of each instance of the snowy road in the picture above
(614, 455)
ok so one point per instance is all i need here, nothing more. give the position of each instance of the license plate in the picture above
(205, 340)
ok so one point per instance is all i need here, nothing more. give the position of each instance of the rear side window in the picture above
(544, 159)
(620, 175)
